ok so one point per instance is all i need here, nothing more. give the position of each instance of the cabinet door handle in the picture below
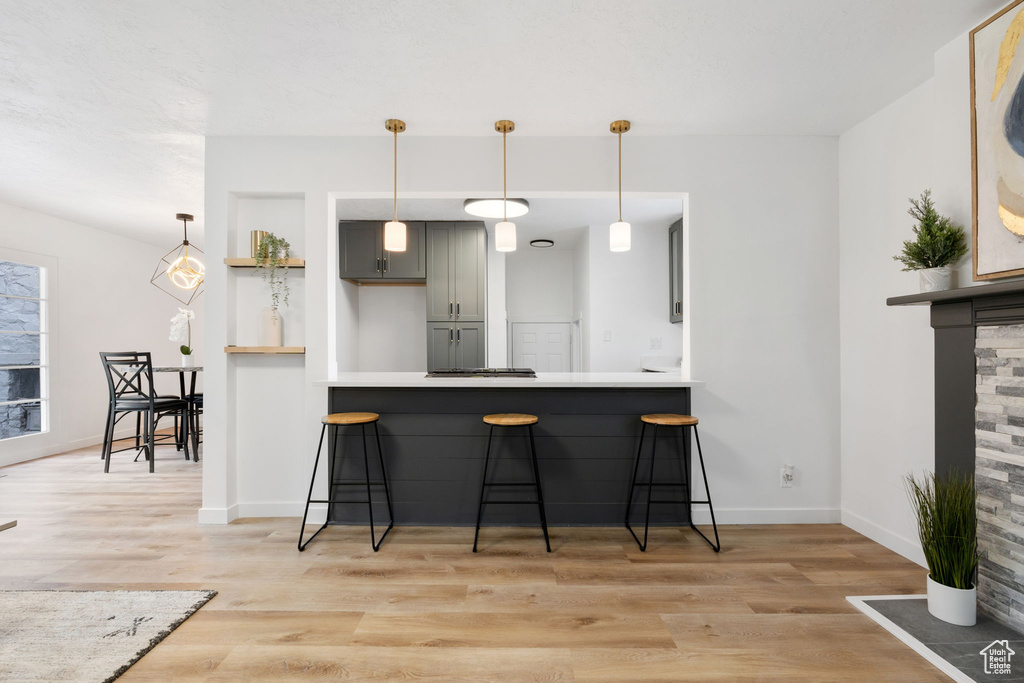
(679, 308)
(385, 264)
(451, 338)
(458, 309)
(378, 264)
(458, 336)
(450, 308)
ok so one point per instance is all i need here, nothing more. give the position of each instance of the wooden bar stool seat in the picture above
(683, 422)
(336, 421)
(349, 418)
(670, 420)
(511, 420)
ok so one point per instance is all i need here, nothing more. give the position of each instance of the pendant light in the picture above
(394, 231)
(505, 231)
(180, 272)
(618, 232)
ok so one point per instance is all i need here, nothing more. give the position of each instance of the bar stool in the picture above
(511, 420)
(683, 422)
(337, 420)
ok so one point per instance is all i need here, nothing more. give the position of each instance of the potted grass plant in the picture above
(946, 524)
(938, 244)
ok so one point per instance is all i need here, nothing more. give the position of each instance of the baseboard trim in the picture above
(218, 515)
(767, 515)
(906, 547)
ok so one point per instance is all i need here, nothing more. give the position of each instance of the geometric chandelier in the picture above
(180, 272)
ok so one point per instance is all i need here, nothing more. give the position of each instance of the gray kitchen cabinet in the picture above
(456, 271)
(440, 272)
(470, 345)
(440, 346)
(456, 345)
(362, 255)
(360, 244)
(675, 271)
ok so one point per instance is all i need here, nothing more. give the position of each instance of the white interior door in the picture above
(544, 347)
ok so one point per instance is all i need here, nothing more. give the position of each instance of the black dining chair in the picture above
(130, 385)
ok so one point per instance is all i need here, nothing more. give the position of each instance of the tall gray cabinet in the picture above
(456, 294)
(675, 271)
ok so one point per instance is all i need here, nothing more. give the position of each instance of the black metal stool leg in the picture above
(483, 484)
(312, 481)
(374, 543)
(650, 487)
(632, 482)
(384, 478)
(540, 495)
(109, 441)
(717, 545)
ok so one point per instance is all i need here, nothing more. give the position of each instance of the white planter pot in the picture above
(188, 361)
(953, 605)
(271, 328)
(935, 279)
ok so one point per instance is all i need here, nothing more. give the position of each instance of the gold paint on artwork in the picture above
(1007, 50)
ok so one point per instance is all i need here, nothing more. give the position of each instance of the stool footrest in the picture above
(509, 483)
(357, 483)
(683, 502)
(342, 502)
(663, 483)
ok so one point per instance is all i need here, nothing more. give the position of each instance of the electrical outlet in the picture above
(786, 476)
(607, 335)
(655, 343)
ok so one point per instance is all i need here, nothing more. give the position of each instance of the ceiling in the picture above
(104, 105)
(560, 219)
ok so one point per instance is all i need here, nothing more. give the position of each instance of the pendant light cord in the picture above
(620, 177)
(504, 177)
(396, 175)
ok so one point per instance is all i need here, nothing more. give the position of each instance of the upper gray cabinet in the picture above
(362, 255)
(675, 271)
(457, 271)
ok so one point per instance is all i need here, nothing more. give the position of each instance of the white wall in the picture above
(920, 141)
(392, 329)
(539, 285)
(104, 303)
(764, 301)
(629, 299)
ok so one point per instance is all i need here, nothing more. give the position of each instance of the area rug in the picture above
(85, 636)
(967, 654)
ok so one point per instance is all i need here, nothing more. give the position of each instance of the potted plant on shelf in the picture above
(939, 244)
(272, 265)
(946, 525)
(181, 331)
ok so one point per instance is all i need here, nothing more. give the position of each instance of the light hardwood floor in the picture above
(769, 607)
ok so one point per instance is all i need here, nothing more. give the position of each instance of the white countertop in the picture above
(544, 380)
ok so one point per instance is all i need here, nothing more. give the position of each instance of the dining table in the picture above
(190, 396)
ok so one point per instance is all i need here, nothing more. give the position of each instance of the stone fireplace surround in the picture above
(979, 425)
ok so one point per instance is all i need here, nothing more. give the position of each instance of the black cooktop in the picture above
(482, 372)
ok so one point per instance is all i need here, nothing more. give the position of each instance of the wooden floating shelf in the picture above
(251, 262)
(266, 350)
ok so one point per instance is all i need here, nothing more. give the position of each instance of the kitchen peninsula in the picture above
(434, 440)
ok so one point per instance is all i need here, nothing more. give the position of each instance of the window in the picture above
(24, 404)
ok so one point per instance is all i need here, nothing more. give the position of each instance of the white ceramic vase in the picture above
(188, 361)
(935, 279)
(271, 328)
(953, 605)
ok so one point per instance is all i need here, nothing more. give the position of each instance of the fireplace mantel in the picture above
(955, 315)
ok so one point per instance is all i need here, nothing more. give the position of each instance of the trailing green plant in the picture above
(938, 240)
(947, 526)
(272, 264)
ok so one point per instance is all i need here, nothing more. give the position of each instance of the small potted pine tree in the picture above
(939, 243)
(947, 526)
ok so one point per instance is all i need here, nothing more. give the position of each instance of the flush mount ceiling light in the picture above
(542, 244)
(497, 208)
(394, 232)
(180, 272)
(618, 232)
(504, 232)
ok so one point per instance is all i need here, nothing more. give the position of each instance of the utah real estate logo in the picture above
(997, 656)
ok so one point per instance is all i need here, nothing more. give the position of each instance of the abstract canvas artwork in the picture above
(997, 128)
